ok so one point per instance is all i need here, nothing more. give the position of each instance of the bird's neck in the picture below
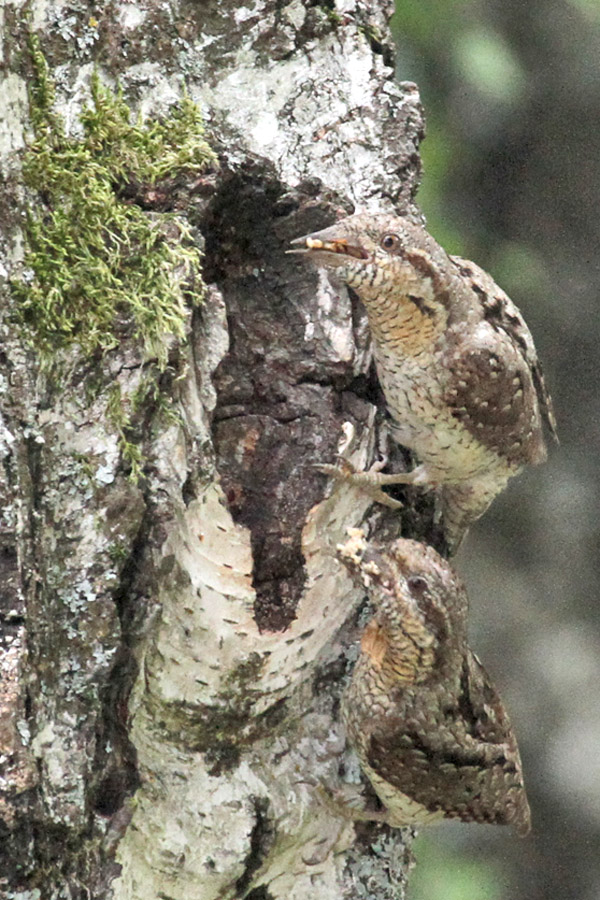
(405, 323)
(398, 656)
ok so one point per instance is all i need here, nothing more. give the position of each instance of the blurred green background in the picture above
(511, 91)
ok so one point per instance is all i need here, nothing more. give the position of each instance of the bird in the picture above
(430, 731)
(455, 360)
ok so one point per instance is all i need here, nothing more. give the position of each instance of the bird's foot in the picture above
(373, 480)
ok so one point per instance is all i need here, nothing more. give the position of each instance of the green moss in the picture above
(123, 413)
(149, 395)
(119, 553)
(121, 421)
(372, 33)
(98, 264)
(333, 16)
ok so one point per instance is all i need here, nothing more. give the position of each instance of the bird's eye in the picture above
(390, 241)
(417, 585)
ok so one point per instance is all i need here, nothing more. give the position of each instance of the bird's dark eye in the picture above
(417, 585)
(390, 241)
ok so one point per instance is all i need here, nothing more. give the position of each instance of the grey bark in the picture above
(174, 650)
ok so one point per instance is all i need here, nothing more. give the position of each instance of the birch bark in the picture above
(174, 649)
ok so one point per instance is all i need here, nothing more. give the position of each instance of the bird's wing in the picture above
(504, 317)
(465, 762)
(489, 390)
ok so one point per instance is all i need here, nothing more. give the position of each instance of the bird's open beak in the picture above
(327, 247)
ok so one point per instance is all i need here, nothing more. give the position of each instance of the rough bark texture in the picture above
(174, 649)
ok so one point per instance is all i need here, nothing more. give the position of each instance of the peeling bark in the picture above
(174, 650)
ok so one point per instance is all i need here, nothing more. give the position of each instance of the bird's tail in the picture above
(461, 505)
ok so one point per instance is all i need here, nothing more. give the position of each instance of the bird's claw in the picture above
(342, 472)
(380, 496)
(367, 481)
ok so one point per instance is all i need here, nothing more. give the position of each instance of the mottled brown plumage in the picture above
(430, 730)
(455, 359)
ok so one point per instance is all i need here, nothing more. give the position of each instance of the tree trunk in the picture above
(175, 644)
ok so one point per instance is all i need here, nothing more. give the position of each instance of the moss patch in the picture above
(123, 414)
(98, 265)
(121, 421)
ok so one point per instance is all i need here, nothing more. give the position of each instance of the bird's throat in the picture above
(397, 661)
(409, 324)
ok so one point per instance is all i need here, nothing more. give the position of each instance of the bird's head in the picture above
(418, 599)
(381, 254)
